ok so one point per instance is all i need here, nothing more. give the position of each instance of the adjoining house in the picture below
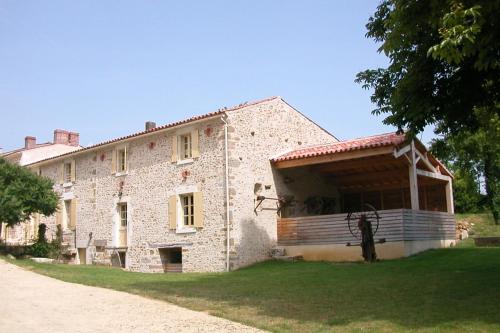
(217, 192)
(64, 142)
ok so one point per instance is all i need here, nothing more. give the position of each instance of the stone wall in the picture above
(150, 180)
(256, 134)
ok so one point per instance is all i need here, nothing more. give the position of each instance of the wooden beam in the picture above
(399, 152)
(412, 173)
(434, 175)
(370, 177)
(362, 164)
(449, 198)
(426, 161)
(333, 157)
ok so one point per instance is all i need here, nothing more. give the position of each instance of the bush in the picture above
(43, 249)
(40, 249)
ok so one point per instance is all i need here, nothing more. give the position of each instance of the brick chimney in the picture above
(29, 142)
(150, 125)
(61, 137)
(74, 139)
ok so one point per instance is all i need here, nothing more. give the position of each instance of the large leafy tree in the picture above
(444, 70)
(23, 193)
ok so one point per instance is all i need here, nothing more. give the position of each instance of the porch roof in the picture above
(382, 140)
(365, 153)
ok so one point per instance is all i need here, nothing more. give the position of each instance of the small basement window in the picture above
(171, 259)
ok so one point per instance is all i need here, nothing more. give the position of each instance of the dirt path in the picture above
(36, 303)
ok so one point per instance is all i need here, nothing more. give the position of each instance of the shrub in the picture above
(40, 249)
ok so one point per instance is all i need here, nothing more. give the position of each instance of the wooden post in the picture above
(413, 178)
(449, 197)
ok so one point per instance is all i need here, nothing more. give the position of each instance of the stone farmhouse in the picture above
(64, 142)
(219, 191)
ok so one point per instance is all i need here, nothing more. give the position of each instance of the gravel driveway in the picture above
(35, 303)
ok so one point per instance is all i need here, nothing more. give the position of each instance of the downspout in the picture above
(226, 160)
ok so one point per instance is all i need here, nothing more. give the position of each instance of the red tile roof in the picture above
(381, 140)
(158, 128)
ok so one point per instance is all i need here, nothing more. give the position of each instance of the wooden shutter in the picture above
(113, 161)
(72, 222)
(61, 173)
(172, 212)
(174, 148)
(73, 171)
(195, 142)
(125, 157)
(59, 214)
(198, 209)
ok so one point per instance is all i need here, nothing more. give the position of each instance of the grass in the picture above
(444, 290)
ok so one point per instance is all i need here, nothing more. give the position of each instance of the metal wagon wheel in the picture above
(353, 218)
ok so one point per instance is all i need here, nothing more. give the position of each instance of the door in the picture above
(82, 255)
(122, 227)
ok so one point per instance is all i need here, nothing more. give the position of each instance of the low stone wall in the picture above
(487, 241)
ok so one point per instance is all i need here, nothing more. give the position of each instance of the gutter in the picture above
(226, 183)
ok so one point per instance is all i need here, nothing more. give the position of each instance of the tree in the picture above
(444, 70)
(23, 193)
(467, 195)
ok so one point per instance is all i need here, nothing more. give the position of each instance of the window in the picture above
(186, 147)
(122, 160)
(187, 203)
(122, 208)
(67, 172)
(67, 210)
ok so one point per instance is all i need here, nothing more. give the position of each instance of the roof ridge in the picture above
(344, 141)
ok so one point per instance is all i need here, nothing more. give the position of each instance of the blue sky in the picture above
(103, 68)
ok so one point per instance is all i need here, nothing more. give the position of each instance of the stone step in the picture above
(278, 251)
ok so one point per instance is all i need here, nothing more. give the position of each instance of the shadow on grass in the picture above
(442, 289)
(435, 288)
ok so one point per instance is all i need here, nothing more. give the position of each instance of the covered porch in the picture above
(318, 186)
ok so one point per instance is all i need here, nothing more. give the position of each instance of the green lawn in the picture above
(441, 290)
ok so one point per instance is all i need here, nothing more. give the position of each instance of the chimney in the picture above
(61, 137)
(150, 125)
(29, 142)
(74, 139)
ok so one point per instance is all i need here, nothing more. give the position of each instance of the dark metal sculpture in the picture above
(363, 226)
